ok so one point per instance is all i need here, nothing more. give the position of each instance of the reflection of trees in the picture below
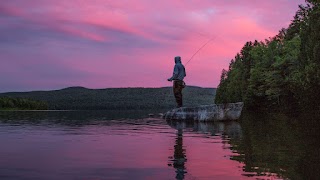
(267, 147)
(68, 117)
(277, 146)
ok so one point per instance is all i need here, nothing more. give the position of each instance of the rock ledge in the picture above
(214, 112)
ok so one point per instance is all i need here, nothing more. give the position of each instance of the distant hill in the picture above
(80, 98)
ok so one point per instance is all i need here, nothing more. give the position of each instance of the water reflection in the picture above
(116, 145)
(277, 146)
(73, 118)
(229, 129)
(179, 157)
(226, 130)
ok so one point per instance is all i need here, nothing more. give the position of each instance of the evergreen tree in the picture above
(282, 72)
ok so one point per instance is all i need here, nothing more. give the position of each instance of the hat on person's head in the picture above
(177, 59)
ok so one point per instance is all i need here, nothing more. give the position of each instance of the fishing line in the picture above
(199, 50)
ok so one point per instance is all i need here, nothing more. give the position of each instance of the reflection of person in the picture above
(179, 157)
(179, 73)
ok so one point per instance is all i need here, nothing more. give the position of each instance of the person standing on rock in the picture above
(179, 73)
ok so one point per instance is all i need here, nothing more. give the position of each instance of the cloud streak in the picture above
(101, 43)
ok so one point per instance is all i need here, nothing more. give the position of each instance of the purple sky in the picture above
(53, 44)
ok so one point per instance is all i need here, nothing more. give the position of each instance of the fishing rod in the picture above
(199, 50)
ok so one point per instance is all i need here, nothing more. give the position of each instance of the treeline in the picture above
(79, 98)
(282, 72)
(7, 103)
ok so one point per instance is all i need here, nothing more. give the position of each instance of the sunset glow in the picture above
(53, 44)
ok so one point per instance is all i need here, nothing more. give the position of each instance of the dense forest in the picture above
(282, 72)
(79, 98)
(7, 103)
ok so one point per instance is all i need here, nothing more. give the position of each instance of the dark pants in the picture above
(177, 91)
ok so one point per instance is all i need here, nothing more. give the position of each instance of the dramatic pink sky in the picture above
(52, 44)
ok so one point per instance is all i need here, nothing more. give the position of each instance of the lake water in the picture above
(129, 145)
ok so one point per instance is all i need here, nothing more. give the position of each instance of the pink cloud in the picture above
(84, 34)
(134, 42)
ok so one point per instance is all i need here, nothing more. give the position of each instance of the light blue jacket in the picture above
(179, 71)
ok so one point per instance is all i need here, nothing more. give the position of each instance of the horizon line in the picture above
(96, 88)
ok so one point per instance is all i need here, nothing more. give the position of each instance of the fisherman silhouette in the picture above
(179, 73)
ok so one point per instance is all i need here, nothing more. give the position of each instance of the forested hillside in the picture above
(282, 72)
(7, 103)
(117, 98)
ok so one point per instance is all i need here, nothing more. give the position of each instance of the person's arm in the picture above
(175, 73)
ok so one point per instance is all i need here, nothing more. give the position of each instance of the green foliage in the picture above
(283, 71)
(79, 98)
(8, 103)
(310, 56)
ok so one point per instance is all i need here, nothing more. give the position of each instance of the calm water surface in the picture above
(128, 145)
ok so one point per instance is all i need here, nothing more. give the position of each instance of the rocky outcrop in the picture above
(214, 112)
